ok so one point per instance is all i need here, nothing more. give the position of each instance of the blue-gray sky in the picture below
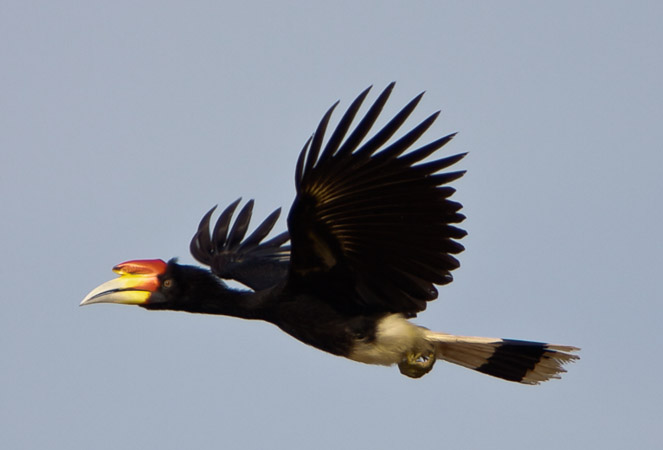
(121, 123)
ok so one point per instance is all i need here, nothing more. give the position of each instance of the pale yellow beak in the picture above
(137, 282)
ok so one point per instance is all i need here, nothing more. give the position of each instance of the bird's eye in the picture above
(167, 283)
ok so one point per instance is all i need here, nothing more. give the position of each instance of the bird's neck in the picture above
(196, 290)
(235, 303)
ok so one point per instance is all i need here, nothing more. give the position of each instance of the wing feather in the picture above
(372, 224)
(230, 255)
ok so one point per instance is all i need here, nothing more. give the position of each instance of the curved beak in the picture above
(137, 282)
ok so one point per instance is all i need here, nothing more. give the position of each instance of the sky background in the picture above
(122, 123)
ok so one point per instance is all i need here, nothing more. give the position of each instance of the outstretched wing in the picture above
(250, 261)
(372, 223)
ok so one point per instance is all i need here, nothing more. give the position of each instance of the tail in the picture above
(521, 361)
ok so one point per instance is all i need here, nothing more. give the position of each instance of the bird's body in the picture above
(372, 231)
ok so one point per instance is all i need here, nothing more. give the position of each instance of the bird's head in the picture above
(154, 284)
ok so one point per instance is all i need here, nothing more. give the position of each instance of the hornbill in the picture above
(372, 231)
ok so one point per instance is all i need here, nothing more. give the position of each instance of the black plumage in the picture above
(373, 230)
(250, 261)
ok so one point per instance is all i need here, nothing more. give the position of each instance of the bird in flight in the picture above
(372, 231)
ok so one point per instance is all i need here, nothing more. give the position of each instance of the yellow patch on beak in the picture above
(138, 280)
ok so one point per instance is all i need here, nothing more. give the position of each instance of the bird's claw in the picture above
(416, 365)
